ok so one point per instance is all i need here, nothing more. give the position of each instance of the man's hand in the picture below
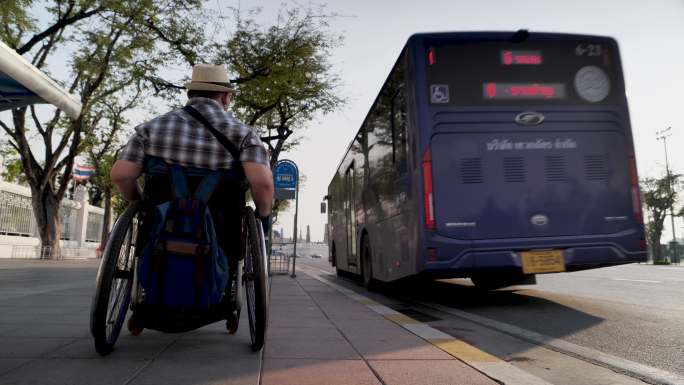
(261, 183)
(266, 224)
(124, 176)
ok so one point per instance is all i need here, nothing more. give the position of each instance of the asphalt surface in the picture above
(635, 312)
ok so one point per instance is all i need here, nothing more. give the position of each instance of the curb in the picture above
(617, 364)
(483, 362)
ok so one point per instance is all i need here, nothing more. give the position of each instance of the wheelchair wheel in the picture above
(255, 279)
(114, 282)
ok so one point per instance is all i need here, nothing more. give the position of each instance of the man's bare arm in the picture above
(124, 176)
(261, 183)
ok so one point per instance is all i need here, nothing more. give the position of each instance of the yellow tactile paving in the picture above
(456, 348)
(401, 319)
(464, 351)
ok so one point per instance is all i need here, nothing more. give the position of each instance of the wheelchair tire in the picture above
(255, 280)
(114, 281)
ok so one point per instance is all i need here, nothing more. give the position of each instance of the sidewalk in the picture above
(320, 336)
(45, 337)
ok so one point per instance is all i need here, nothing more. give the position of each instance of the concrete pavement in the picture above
(317, 336)
(45, 337)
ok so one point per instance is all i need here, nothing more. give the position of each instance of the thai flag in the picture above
(82, 172)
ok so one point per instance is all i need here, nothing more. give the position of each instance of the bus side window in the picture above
(399, 118)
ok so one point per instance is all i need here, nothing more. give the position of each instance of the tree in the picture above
(11, 165)
(283, 74)
(102, 152)
(659, 195)
(116, 45)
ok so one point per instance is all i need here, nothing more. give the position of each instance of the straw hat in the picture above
(207, 77)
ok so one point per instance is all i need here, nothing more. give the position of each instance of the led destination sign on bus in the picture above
(509, 57)
(530, 91)
(532, 72)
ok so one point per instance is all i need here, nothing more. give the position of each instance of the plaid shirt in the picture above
(178, 138)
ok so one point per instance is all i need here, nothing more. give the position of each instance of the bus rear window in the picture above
(492, 73)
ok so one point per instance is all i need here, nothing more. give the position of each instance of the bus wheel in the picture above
(366, 265)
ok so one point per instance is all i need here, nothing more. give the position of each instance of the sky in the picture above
(650, 35)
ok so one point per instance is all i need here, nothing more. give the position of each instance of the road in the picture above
(632, 312)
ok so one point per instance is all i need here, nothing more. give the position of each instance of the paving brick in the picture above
(72, 372)
(321, 332)
(317, 372)
(26, 347)
(8, 364)
(428, 372)
(407, 347)
(310, 348)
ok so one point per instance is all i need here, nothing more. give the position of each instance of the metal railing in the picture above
(68, 220)
(16, 214)
(80, 224)
(94, 227)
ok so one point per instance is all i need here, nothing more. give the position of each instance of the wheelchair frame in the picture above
(116, 279)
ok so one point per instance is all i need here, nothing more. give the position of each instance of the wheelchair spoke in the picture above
(115, 279)
(124, 254)
(114, 308)
(123, 274)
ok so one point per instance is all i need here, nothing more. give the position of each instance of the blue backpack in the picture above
(182, 267)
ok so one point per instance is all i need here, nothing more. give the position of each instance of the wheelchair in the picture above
(119, 291)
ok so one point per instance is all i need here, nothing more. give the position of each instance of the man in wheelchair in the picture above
(199, 155)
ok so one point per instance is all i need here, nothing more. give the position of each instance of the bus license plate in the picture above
(539, 262)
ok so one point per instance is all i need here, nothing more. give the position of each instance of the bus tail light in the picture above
(640, 244)
(431, 254)
(432, 59)
(430, 223)
(636, 193)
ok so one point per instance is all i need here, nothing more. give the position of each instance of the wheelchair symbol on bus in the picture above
(439, 93)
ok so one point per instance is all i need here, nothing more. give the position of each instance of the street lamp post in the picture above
(663, 135)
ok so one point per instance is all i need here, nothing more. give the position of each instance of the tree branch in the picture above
(8, 131)
(61, 23)
(31, 166)
(36, 121)
(189, 55)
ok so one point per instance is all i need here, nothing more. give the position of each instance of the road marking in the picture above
(636, 280)
(634, 369)
(487, 364)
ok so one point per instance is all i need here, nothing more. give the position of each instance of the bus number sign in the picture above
(588, 50)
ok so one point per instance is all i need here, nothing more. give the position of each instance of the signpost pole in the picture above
(294, 236)
(286, 181)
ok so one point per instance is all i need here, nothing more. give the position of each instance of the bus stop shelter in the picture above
(22, 84)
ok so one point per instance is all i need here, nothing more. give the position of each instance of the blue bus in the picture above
(494, 156)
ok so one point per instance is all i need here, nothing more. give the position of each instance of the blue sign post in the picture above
(285, 175)
(286, 183)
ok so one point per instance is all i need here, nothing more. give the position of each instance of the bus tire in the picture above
(367, 265)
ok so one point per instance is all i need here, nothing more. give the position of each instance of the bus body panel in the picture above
(570, 182)
(573, 196)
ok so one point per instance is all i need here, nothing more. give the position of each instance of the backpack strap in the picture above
(225, 142)
(207, 186)
(179, 183)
